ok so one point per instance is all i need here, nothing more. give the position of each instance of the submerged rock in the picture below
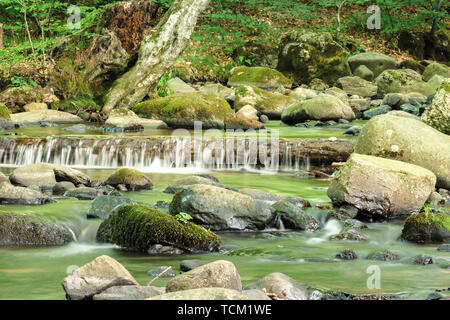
(217, 274)
(323, 107)
(95, 277)
(203, 294)
(132, 179)
(280, 285)
(382, 187)
(407, 140)
(386, 255)
(261, 77)
(347, 254)
(424, 227)
(29, 230)
(220, 209)
(138, 227)
(348, 234)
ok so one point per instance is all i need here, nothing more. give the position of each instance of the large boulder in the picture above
(375, 62)
(357, 86)
(10, 194)
(181, 110)
(46, 175)
(323, 107)
(189, 181)
(95, 277)
(45, 115)
(271, 104)
(203, 294)
(407, 140)
(131, 179)
(382, 187)
(427, 227)
(221, 209)
(218, 274)
(438, 114)
(30, 230)
(103, 206)
(261, 77)
(436, 69)
(282, 286)
(138, 227)
(404, 81)
(306, 56)
(127, 120)
(131, 292)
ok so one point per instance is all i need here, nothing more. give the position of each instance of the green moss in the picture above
(4, 112)
(76, 105)
(127, 176)
(259, 76)
(188, 106)
(138, 227)
(436, 219)
(445, 86)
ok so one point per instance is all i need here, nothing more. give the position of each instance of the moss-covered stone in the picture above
(4, 112)
(305, 56)
(29, 230)
(76, 105)
(139, 227)
(132, 179)
(427, 227)
(404, 81)
(436, 69)
(271, 104)
(374, 61)
(182, 109)
(260, 77)
(438, 114)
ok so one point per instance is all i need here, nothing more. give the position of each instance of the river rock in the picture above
(45, 115)
(10, 194)
(256, 295)
(382, 187)
(385, 255)
(267, 103)
(132, 179)
(220, 209)
(284, 287)
(61, 187)
(29, 230)
(432, 227)
(436, 69)
(369, 114)
(357, 86)
(302, 94)
(188, 265)
(189, 181)
(438, 114)
(445, 247)
(295, 218)
(272, 197)
(347, 254)
(95, 277)
(248, 112)
(35, 106)
(103, 206)
(395, 100)
(307, 55)
(168, 272)
(407, 140)
(139, 228)
(349, 234)
(203, 294)
(323, 107)
(374, 61)
(3, 178)
(404, 81)
(217, 274)
(363, 72)
(127, 120)
(421, 259)
(219, 90)
(83, 193)
(130, 292)
(176, 85)
(261, 77)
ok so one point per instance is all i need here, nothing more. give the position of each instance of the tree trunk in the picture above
(1, 37)
(157, 53)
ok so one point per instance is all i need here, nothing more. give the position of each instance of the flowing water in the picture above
(309, 258)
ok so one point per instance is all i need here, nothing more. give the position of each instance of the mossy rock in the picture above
(183, 109)
(323, 107)
(436, 69)
(4, 112)
(76, 105)
(29, 230)
(438, 114)
(260, 77)
(132, 179)
(404, 81)
(431, 227)
(306, 56)
(271, 104)
(138, 227)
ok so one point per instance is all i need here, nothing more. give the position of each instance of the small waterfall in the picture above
(331, 227)
(159, 154)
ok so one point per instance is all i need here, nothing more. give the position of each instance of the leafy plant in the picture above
(183, 217)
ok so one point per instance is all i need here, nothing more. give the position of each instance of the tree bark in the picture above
(1, 37)
(157, 53)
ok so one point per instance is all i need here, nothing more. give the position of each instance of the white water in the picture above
(331, 227)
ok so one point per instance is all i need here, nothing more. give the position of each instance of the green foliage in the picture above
(183, 217)
(22, 82)
(162, 86)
